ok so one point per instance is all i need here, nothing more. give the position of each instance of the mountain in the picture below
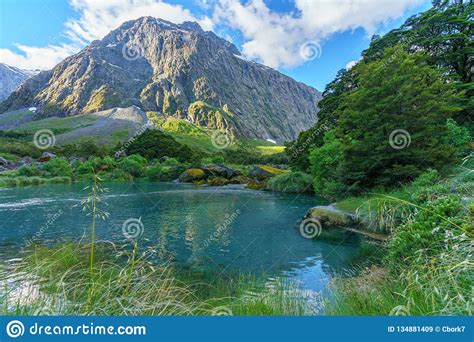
(176, 70)
(11, 78)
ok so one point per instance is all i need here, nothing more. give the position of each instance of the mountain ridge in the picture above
(11, 77)
(178, 70)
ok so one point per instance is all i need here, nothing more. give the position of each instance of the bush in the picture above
(325, 163)
(427, 232)
(154, 144)
(170, 162)
(134, 165)
(458, 137)
(57, 168)
(296, 182)
(120, 175)
(154, 172)
(84, 168)
(29, 171)
(213, 160)
(60, 180)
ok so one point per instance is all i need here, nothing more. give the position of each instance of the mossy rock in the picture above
(241, 180)
(217, 181)
(331, 216)
(192, 175)
(262, 172)
(256, 185)
(200, 182)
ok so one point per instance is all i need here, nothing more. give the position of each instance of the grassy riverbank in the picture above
(426, 268)
(120, 281)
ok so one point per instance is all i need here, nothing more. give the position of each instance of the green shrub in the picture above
(96, 164)
(426, 233)
(213, 160)
(154, 172)
(296, 182)
(154, 144)
(60, 180)
(458, 137)
(29, 171)
(134, 165)
(57, 168)
(325, 162)
(170, 162)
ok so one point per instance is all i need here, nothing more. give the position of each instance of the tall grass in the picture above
(57, 281)
(428, 267)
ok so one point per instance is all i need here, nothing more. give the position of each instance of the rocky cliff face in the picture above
(11, 78)
(177, 70)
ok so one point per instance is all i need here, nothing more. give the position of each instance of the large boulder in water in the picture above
(331, 216)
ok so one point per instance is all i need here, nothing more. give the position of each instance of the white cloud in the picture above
(275, 39)
(96, 19)
(32, 57)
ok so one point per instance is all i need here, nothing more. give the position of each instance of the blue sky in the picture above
(38, 34)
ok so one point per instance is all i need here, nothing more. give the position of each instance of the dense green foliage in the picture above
(444, 33)
(296, 182)
(402, 109)
(134, 165)
(153, 144)
(58, 168)
(428, 269)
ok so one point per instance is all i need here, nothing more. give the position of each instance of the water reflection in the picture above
(224, 229)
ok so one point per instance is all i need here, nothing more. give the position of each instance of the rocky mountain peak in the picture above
(176, 70)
